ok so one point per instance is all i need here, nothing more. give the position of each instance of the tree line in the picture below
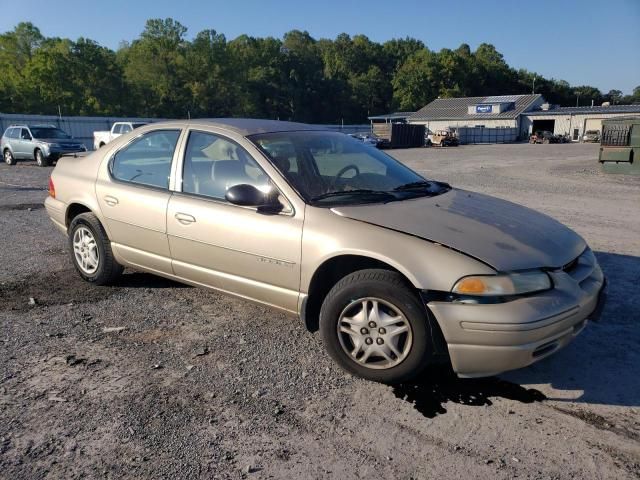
(163, 74)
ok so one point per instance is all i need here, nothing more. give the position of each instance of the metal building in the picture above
(508, 118)
(493, 119)
(573, 121)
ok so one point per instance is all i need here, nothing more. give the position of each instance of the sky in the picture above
(583, 42)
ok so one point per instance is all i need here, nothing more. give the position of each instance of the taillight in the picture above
(52, 188)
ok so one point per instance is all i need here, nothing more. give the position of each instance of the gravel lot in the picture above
(199, 385)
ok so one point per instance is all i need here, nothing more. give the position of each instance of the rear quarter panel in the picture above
(74, 180)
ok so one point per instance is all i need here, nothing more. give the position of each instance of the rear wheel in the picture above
(9, 159)
(41, 160)
(374, 326)
(91, 250)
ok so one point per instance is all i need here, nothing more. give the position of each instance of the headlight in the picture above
(506, 284)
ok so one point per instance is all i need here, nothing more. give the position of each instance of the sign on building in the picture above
(484, 108)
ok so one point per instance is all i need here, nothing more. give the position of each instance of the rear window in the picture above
(146, 160)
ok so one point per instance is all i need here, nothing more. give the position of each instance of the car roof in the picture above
(252, 126)
(38, 125)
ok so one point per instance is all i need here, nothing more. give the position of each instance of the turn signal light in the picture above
(471, 286)
(52, 188)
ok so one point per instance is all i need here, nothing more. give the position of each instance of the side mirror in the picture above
(249, 196)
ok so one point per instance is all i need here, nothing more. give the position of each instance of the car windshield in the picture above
(137, 125)
(328, 168)
(48, 132)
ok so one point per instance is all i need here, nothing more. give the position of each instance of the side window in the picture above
(117, 128)
(147, 160)
(125, 128)
(212, 164)
(8, 132)
(25, 135)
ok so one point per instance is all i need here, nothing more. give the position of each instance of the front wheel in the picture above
(9, 159)
(41, 160)
(374, 326)
(91, 250)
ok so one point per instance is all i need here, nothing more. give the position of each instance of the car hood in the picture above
(500, 233)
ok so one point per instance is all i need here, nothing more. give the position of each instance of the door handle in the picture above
(111, 201)
(185, 219)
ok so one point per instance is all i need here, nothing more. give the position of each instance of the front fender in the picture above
(427, 265)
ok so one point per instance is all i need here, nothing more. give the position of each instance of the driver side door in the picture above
(235, 249)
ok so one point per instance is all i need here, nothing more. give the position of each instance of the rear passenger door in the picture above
(133, 193)
(232, 248)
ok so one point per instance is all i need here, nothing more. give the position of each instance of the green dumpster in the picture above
(620, 146)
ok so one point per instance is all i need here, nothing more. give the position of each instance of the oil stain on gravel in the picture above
(22, 206)
(65, 286)
(434, 388)
(53, 288)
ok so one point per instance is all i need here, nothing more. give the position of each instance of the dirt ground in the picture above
(200, 385)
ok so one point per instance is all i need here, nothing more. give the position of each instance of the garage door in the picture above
(593, 124)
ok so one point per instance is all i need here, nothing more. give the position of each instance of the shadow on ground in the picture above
(146, 280)
(438, 386)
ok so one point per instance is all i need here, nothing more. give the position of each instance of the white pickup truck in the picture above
(101, 138)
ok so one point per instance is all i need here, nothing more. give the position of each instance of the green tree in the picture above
(163, 74)
(417, 81)
(614, 96)
(154, 69)
(17, 48)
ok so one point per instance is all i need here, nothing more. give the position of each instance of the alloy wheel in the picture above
(374, 333)
(85, 250)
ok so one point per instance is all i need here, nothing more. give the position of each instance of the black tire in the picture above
(108, 269)
(390, 287)
(9, 159)
(41, 160)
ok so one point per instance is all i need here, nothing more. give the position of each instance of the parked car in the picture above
(42, 143)
(441, 138)
(544, 136)
(101, 138)
(369, 139)
(591, 136)
(395, 270)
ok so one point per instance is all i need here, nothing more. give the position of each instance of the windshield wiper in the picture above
(413, 186)
(360, 191)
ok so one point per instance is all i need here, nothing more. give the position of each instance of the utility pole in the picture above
(533, 88)
(577, 99)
